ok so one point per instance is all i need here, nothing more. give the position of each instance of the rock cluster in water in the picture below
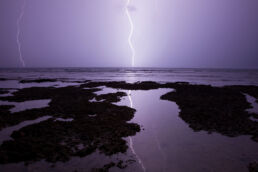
(59, 140)
(101, 125)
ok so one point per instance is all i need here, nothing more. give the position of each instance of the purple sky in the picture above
(168, 33)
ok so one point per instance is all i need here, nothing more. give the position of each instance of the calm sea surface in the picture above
(200, 76)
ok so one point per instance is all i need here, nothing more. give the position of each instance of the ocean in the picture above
(216, 77)
(166, 142)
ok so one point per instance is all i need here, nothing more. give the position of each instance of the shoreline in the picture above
(203, 107)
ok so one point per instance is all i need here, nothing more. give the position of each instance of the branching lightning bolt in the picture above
(131, 31)
(19, 32)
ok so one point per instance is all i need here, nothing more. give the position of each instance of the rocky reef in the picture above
(101, 125)
(95, 125)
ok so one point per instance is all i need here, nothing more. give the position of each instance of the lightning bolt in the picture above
(131, 31)
(19, 32)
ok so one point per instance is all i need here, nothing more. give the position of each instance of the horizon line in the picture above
(228, 68)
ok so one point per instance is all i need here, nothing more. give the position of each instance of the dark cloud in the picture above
(132, 8)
